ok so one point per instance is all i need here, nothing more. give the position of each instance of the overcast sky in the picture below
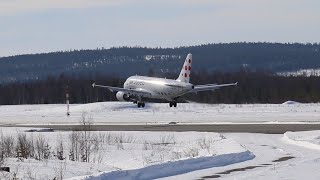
(33, 26)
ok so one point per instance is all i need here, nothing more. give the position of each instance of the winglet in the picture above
(236, 83)
(93, 85)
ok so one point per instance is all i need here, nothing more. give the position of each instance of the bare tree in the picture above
(60, 170)
(86, 122)
(40, 147)
(74, 146)
(8, 146)
(191, 152)
(24, 147)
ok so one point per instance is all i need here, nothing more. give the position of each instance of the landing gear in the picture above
(174, 104)
(141, 104)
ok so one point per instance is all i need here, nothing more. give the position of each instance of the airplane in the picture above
(139, 88)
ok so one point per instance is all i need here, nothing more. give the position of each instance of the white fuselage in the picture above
(139, 88)
(158, 88)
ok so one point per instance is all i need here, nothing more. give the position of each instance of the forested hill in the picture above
(125, 61)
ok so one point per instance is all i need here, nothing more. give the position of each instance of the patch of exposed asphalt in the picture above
(286, 158)
(218, 175)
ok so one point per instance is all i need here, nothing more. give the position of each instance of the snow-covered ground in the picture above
(124, 112)
(276, 158)
(309, 139)
(137, 155)
(302, 72)
(169, 155)
(229, 156)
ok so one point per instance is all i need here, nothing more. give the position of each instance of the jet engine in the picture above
(121, 96)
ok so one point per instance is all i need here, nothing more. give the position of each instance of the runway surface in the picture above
(267, 128)
(159, 113)
(121, 116)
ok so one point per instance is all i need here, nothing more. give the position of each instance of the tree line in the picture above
(253, 87)
(224, 57)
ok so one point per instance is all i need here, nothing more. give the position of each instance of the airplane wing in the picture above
(137, 92)
(210, 87)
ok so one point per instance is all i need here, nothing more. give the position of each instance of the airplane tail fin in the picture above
(184, 75)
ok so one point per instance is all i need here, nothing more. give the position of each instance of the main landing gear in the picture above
(174, 104)
(141, 104)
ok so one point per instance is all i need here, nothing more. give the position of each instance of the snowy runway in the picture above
(124, 151)
(185, 113)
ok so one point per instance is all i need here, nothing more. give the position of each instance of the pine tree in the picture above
(19, 154)
(71, 156)
(47, 152)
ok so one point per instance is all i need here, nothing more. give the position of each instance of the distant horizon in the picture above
(152, 47)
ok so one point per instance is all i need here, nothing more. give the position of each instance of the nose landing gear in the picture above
(141, 104)
(174, 104)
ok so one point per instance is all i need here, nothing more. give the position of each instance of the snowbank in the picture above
(308, 139)
(174, 168)
(138, 154)
(290, 102)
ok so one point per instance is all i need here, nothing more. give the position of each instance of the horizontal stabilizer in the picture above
(211, 87)
(137, 92)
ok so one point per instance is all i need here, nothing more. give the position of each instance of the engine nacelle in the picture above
(121, 96)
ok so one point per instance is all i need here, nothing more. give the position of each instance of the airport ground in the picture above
(259, 128)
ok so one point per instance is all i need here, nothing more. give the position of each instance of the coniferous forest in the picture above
(45, 78)
(253, 87)
(125, 61)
